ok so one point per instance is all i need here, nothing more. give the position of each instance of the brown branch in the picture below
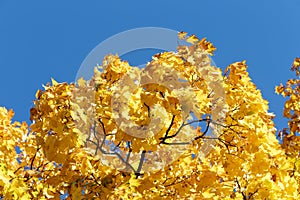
(204, 133)
(137, 173)
(31, 164)
(112, 153)
(169, 128)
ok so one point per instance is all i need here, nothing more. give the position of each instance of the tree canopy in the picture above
(178, 129)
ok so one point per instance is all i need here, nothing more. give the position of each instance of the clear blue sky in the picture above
(44, 39)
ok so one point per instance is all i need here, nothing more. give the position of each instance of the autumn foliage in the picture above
(180, 129)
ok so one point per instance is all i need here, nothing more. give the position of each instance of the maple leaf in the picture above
(177, 129)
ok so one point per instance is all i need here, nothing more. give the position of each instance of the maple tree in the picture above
(178, 129)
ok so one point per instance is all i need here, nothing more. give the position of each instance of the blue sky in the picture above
(44, 39)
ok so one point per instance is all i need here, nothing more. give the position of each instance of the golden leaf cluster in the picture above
(129, 133)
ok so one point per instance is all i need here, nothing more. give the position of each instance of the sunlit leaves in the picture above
(290, 136)
(86, 140)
